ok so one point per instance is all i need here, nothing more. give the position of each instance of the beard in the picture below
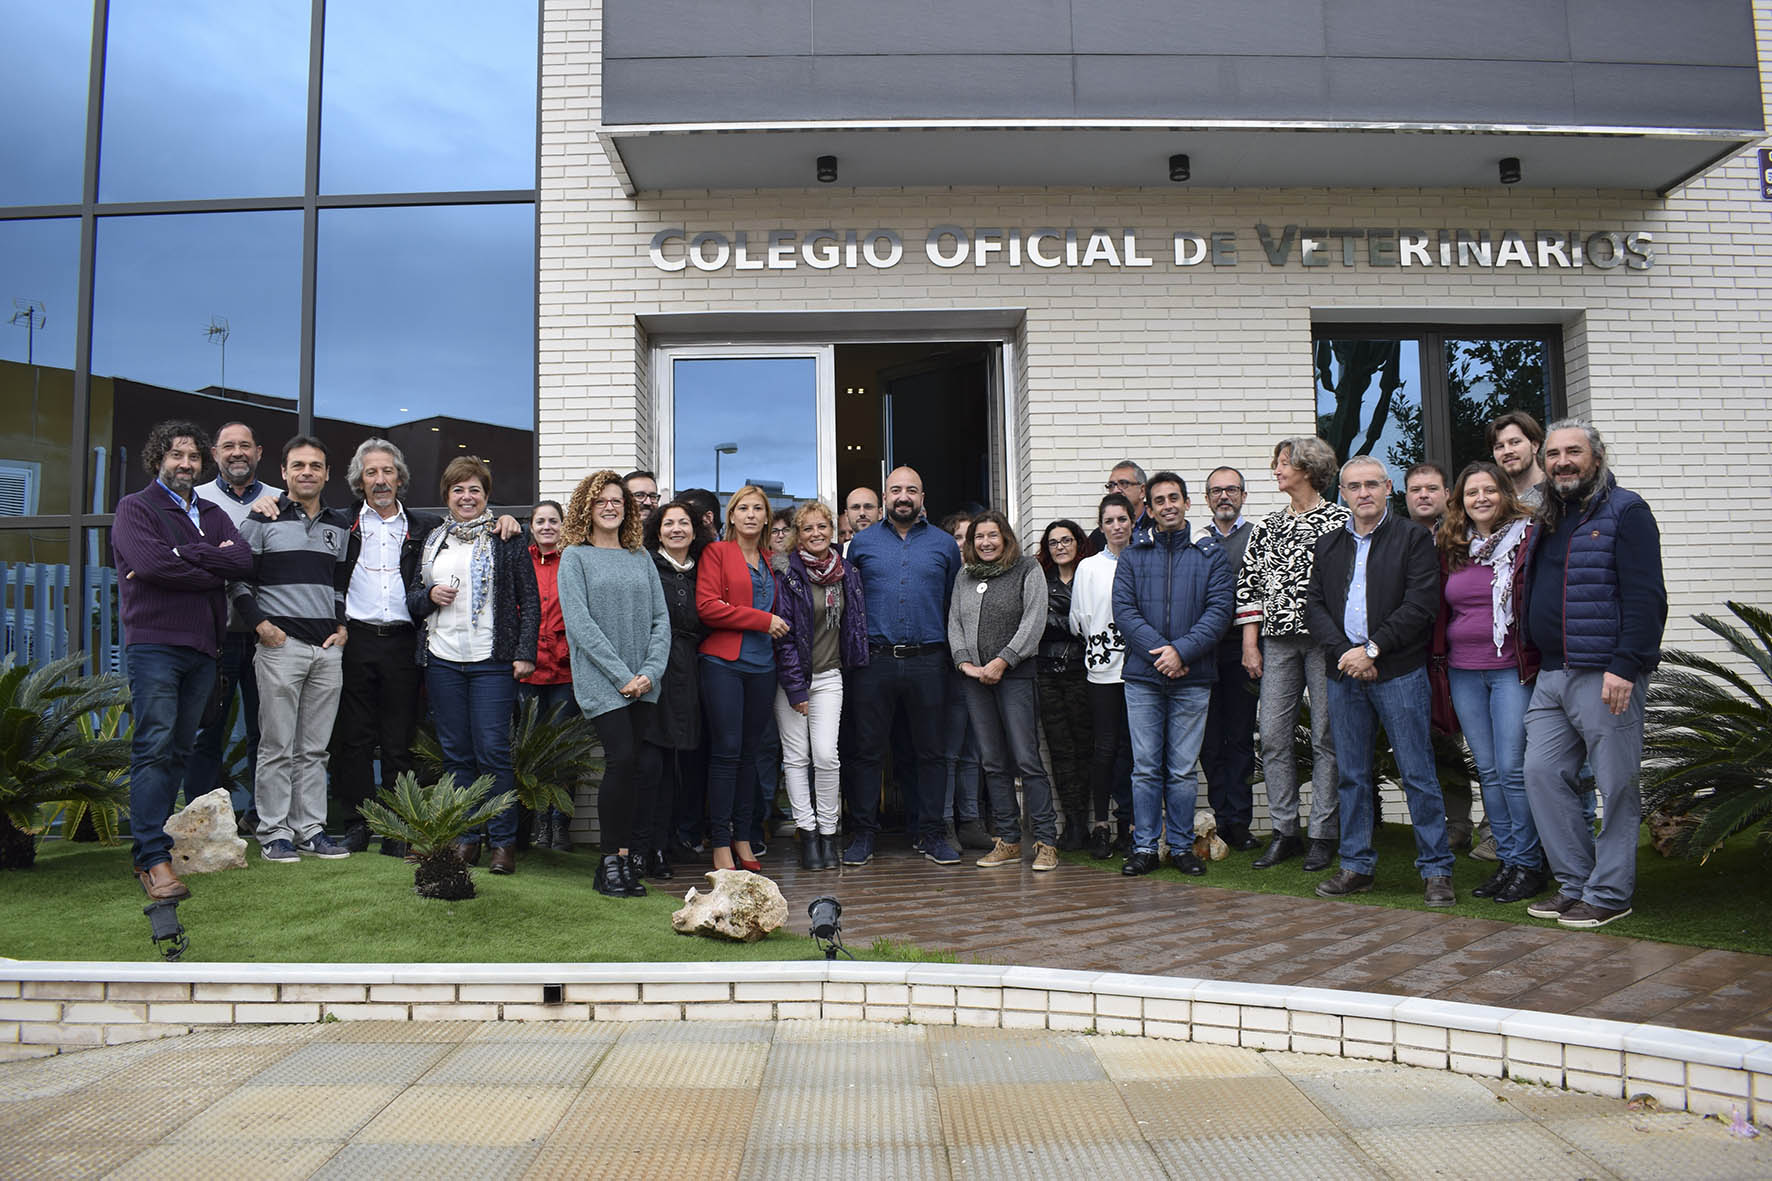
(903, 511)
(1225, 515)
(1574, 484)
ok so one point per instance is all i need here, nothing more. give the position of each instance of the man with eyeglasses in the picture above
(1373, 598)
(643, 487)
(1228, 754)
(1126, 478)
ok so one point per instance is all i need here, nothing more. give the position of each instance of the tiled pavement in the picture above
(1078, 917)
(800, 1099)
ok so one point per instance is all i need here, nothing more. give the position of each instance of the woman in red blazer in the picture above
(735, 594)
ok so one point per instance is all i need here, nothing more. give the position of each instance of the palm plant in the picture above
(1707, 750)
(548, 754)
(89, 817)
(430, 820)
(45, 758)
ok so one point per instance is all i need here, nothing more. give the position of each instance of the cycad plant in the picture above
(87, 817)
(1707, 745)
(45, 758)
(431, 820)
(548, 754)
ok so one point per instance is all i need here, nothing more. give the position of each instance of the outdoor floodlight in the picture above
(1510, 170)
(827, 930)
(827, 170)
(1179, 169)
(168, 933)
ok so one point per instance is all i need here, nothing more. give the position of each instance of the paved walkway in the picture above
(800, 1099)
(1079, 917)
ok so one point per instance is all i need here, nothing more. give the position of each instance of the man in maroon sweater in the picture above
(174, 555)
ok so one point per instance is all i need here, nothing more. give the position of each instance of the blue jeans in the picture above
(1168, 727)
(736, 707)
(959, 755)
(204, 767)
(1400, 705)
(471, 704)
(1006, 718)
(169, 685)
(1491, 705)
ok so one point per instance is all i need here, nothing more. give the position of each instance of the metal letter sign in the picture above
(1766, 174)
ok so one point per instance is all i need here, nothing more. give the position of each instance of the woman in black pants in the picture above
(675, 542)
(1092, 618)
(1064, 694)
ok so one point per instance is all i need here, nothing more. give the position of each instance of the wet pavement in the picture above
(801, 1099)
(1081, 917)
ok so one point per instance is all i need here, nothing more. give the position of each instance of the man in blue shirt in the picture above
(1373, 598)
(907, 573)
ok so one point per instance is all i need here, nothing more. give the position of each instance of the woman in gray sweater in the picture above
(619, 631)
(997, 615)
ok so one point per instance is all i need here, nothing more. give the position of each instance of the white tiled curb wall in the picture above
(47, 1007)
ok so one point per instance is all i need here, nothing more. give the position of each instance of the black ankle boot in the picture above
(658, 866)
(811, 856)
(633, 868)
(608, 877)
(827, 850)
(1072, 838)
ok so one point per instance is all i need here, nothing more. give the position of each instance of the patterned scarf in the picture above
(828, 573)
(478, 532)
(985, 571)
(1497, 551)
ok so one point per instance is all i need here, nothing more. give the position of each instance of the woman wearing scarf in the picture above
(821, 598)
(675, 540)
(995, 620)
(475, 596)
(619, 630)
(1484, 541)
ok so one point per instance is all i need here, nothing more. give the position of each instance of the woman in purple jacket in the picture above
(821, 598)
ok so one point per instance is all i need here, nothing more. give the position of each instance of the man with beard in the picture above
(1425, 489)
(1228, 755)
(1595, 608)
(1424, 493)
(907, 570)
(235, 487)
(1514, 439)
(174, 553)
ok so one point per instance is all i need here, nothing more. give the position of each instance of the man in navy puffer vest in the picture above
(1595, 608)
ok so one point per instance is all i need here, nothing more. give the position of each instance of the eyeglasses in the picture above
(1362, 485)
(1058, 541)
(1122, 485)
(780, 531)
(1224, 490)
(604, 501)
(646, 497)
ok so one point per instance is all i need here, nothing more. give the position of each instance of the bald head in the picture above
(863, 507)
(904, 497)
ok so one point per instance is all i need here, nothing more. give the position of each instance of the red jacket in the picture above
(553, 662)
(723, 598)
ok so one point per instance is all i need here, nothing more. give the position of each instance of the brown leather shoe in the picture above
(468, 851)
(160, 883)
(504, 861)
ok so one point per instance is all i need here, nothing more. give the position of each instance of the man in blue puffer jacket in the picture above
(1595, 608)
(1173, 600)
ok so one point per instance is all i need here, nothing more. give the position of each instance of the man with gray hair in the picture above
(1127, 478)
(1595, 606)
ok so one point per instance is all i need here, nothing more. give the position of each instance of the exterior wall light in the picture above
(1510, 170)
(1179, 170)
(827, 170)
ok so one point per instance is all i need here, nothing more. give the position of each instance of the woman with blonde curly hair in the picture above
(619, 631)
(735, 594)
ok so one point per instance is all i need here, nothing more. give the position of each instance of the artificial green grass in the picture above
(81, 902)
(1716, 904)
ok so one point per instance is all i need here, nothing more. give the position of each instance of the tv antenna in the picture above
(33, 315)
(218, 333)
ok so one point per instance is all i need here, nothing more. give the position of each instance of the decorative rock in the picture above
(1208, 845)
(740, 905)
(203, 836)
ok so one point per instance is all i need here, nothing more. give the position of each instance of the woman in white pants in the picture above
(820, 596)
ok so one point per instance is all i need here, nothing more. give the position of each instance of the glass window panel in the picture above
(1486, 378)
(424, 95)
(766, 408)
(45, 58)
(205, 98)
(34, 589)
(1369, 401)
(40, 261)
(195, 316)
(100, 619)
(425, 334)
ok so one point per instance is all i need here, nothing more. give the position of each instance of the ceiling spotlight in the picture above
(1510, 170)
(827, 170)
(1179, 170)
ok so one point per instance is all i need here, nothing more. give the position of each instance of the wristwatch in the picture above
(1371, 650)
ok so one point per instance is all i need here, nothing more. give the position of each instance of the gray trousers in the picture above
(1289, 666)
(1566, 723)
(298, 691)
(1006, 719)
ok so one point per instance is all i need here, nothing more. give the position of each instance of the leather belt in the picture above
(900, 651)
(380, 629)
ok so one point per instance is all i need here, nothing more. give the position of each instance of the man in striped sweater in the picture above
(295, 603)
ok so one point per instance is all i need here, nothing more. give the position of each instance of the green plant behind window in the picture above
(46, 760)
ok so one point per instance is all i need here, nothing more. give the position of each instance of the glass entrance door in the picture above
(736, 416)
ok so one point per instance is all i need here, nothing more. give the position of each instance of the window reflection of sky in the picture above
(767, 405)
(426, 311)
(160, 279)
(205, 98)
(39, 260)
(44, 52)
(428, 94)
(1407, 395)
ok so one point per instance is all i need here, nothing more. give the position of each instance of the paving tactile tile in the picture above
(1547, 1103)
(592, 1162)
(397, 1031)
(1521, 1151)
(326, 1064)
(490, 1116)
(1129, 1160)
(66, 1073)
(375, 1162)
(1403, 1096)
(269, 1161)
(803, 1064)
(644, 1119)
(960, 1059)
(107, 1115)
(712, 1032)
(1179, 1108)
(826, 1032)
(516, 1063)
(55, 1160)
(286, 1113)
(733, 1064)
(1137, 1059)
(1279, 1156)
(550, 1031)
(180, 1067)
(1042, 1113)
(862, 1162)
(1644, 1147)
(841, 1114)
(1298, 1065)
(261, 1035)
